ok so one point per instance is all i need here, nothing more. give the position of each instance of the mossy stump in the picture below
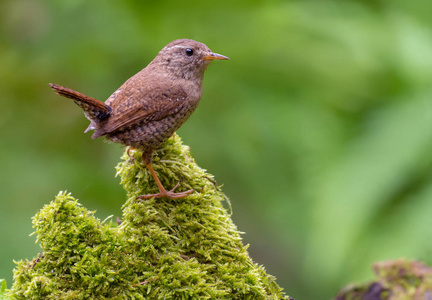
(400, 279)
(163, 249)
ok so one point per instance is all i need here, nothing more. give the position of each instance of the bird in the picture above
(151, 105)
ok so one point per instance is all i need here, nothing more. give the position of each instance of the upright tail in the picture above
(94, 110)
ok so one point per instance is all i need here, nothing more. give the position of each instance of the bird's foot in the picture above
(128, 150)
(169, 194)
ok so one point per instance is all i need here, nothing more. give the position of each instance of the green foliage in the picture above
(2, 289)
(163, 249)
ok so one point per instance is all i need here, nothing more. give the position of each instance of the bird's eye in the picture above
(189, 51)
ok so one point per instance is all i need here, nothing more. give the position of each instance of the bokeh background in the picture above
(319, 127)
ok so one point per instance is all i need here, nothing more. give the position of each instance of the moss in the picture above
(163, 249)
(2, 289)
(397, 280)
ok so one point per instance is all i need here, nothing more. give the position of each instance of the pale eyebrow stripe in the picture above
(175, 46)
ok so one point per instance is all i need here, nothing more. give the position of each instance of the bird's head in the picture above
(186, 58)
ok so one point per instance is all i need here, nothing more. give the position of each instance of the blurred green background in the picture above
(319, 127)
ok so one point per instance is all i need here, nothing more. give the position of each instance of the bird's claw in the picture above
(169, 194)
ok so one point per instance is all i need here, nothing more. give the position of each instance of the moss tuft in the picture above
(396, 280)
(163, 249)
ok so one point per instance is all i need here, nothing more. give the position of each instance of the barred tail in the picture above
(94, 110)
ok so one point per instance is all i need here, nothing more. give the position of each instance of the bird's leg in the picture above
(162, 191)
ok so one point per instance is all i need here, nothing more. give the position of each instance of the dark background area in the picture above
(319, 127)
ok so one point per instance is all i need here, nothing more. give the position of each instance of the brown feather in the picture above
(155, 103)
(94, 109)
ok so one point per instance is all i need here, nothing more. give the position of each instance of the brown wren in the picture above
(151, 105)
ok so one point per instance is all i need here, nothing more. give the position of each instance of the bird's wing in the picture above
(132, 106)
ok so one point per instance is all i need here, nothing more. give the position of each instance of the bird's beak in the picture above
(214, 56)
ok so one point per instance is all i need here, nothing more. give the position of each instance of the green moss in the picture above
(2, 289)
(163, 249)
